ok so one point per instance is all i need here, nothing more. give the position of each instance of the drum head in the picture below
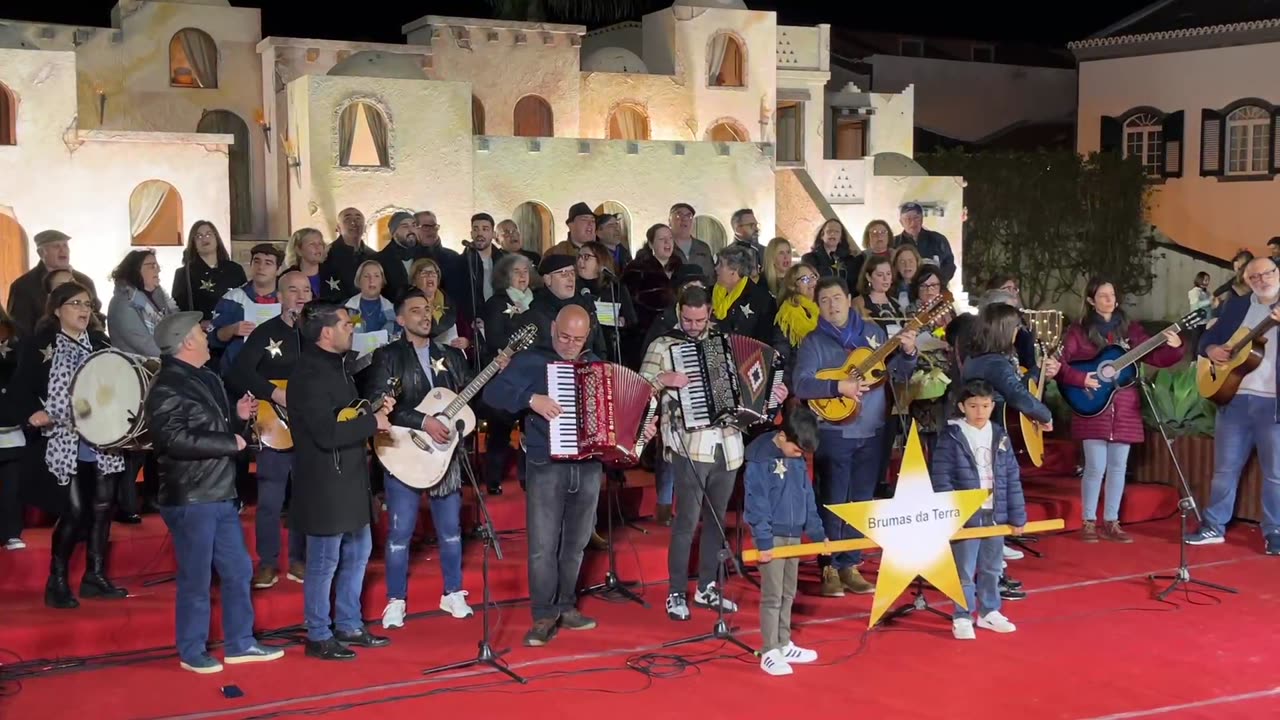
(106, 398)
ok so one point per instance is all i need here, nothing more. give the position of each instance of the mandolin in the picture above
(1116, 368)
(1219, 383)
(868, 365)
(361, 407)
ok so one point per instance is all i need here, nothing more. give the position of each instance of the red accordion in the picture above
(604, 410)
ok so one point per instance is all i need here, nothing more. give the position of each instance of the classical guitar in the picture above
(419, 461)
(1116, 368)
(1219, 383)
(867, 364)
(271, 424)
(1047, 326)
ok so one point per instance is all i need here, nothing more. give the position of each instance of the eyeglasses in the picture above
(1262, 275)
(807, 279)
(930, 285)
(78, 303)
(683, 215)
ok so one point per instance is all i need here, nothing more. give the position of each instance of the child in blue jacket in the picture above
(780, 508)
(974, 453)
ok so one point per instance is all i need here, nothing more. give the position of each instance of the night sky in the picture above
(380, 20)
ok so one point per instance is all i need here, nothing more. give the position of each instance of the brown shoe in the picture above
(297, 571)
(264, 578)
(1089, 533)
(663, 516)
(1111, 531)
(831, 586)
(853, 581)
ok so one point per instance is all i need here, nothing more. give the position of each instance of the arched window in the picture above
(8, 116)
(537, 227)
(726, 61)
(362, 136)
(628, 122)
(155, 215)
(1248, 141)
(477, 116)
(533, 118)
(1143, 139)
(726, 132)
(710, 231)
(193, 59)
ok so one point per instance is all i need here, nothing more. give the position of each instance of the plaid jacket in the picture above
(700, 445)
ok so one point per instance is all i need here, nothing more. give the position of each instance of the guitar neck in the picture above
(1145, 348)
(878, 355)
(459, 402)
(1262, 329)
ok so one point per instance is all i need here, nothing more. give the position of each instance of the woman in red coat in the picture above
(1106, 437)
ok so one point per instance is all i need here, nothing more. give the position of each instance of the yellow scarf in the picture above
(797, 317)
(437, 307)
(722, 300)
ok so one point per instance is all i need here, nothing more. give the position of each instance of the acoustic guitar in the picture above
(1046, 325)
(411, 454)
(1116, 368)
(360, 407)
(1220, 383)
(867, 364)
(271, 424)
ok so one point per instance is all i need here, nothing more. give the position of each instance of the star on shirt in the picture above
(47, 352)
(208, 285)
(779, 468)
(746, 311)
(873, 342)
(511, 311)
(437, 365)
(215, 315)
(273, 347)
(4, 349)
(332, 283)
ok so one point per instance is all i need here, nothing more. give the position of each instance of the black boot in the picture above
(95, 584)
(57, 592)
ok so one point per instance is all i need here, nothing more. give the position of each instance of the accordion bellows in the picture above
(605, 408)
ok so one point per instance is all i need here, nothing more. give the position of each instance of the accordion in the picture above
(731, 381)
(604, 410)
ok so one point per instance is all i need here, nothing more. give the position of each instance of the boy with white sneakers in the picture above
(780, 507)
(974, 453)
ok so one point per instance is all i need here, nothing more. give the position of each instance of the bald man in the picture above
(1252, 418)
(268, 357)
(561, 495)
(345, 255)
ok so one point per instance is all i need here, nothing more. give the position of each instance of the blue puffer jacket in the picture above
(998, 370)
(956, 468)
(779, 505)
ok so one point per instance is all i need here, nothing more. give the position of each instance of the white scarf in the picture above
(63, 450)
(520, 298)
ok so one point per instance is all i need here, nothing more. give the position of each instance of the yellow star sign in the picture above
(914, 530)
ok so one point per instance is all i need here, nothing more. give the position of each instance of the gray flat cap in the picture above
(173, 329)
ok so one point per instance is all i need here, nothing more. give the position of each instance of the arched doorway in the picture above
(627, 122)
(616, 208)
(382, 232)
(537, 227)
(155, 215)
(710, 231)
(13, 253)
(239, 171)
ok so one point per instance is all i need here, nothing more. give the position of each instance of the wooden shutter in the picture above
(1111, 135)
(1171, 137)
(1212, 142)
(1275, 140)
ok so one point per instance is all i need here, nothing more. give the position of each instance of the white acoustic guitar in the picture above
(411, 455)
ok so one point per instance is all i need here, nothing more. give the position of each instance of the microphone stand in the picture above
(486, 655)
(1186, 505)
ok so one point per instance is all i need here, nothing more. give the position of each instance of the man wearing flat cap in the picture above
(582, 230)
(190, 422)
(399, 254)
(27, 294)
(933, 246)
(609, 231)
(560, 274)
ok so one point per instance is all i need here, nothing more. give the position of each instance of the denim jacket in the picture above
(781, 505)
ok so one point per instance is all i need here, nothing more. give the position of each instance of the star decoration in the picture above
(914, 529)
(274, 349)
(47, 352)
(780, 468)
(511, 311)
(873, 342)
(332, 283)
(215, 315)
(207, 285)
(746, 311)
(437, 365)
(5, 349)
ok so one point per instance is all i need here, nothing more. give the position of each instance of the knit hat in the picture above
(398, 218)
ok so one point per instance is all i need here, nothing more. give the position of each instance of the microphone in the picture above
(608, 272)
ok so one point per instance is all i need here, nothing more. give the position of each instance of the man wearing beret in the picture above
(27, 294)
(190, 421)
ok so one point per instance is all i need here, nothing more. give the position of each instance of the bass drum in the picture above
(107, 396)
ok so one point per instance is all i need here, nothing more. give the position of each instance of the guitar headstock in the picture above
(522, 339)
(1193, 319)
(931, 311)
(393, 386)
(1047, 327)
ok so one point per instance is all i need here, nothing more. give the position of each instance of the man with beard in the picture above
(746, 235)
(560, 275)
(332, 498)
(398, 255)
(478, 261)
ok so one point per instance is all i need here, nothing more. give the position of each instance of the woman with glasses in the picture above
(797, 311)
(594, 258)
(207, 272)
(425, 275)
(85, 481)
(934, 369)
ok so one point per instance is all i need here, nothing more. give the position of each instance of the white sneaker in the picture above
(793, 653)
(710, 596)
(774, 664)
(455, 604)
(15, 544)
(1012, 553)
(962, 629)
(996, 622)
(393, 615)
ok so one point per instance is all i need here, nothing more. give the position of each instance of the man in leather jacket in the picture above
(421, 365)
(190, 423)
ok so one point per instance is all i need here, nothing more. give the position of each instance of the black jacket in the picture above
(331, 492)
(392, 259)
(196, 286)
(546, 306)
(399, 359)
(269, 353)
(501, 321)
(27, 296)
(341, 263)
(190, 422)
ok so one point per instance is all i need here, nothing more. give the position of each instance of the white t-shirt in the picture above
(980, 445)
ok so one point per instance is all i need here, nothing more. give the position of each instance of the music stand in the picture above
(485, 655)
(918, 602)
(1186, 504)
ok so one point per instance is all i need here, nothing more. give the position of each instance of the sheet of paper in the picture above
(263, 313)
(607, 312)
(364, 343)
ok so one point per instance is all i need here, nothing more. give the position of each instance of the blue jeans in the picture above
(274, 469)
(208, 535)
(979, 563)
(340, 560)
(560, 513)
(847, 471)
(1099, 456)
(1245, 422)
(402, 509)
(664, 480)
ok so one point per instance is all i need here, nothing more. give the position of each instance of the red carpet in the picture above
(1090, 643)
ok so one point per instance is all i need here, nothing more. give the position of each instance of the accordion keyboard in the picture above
(563, 431)
(695, 403)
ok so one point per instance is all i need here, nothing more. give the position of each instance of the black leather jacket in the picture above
(192, 428)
